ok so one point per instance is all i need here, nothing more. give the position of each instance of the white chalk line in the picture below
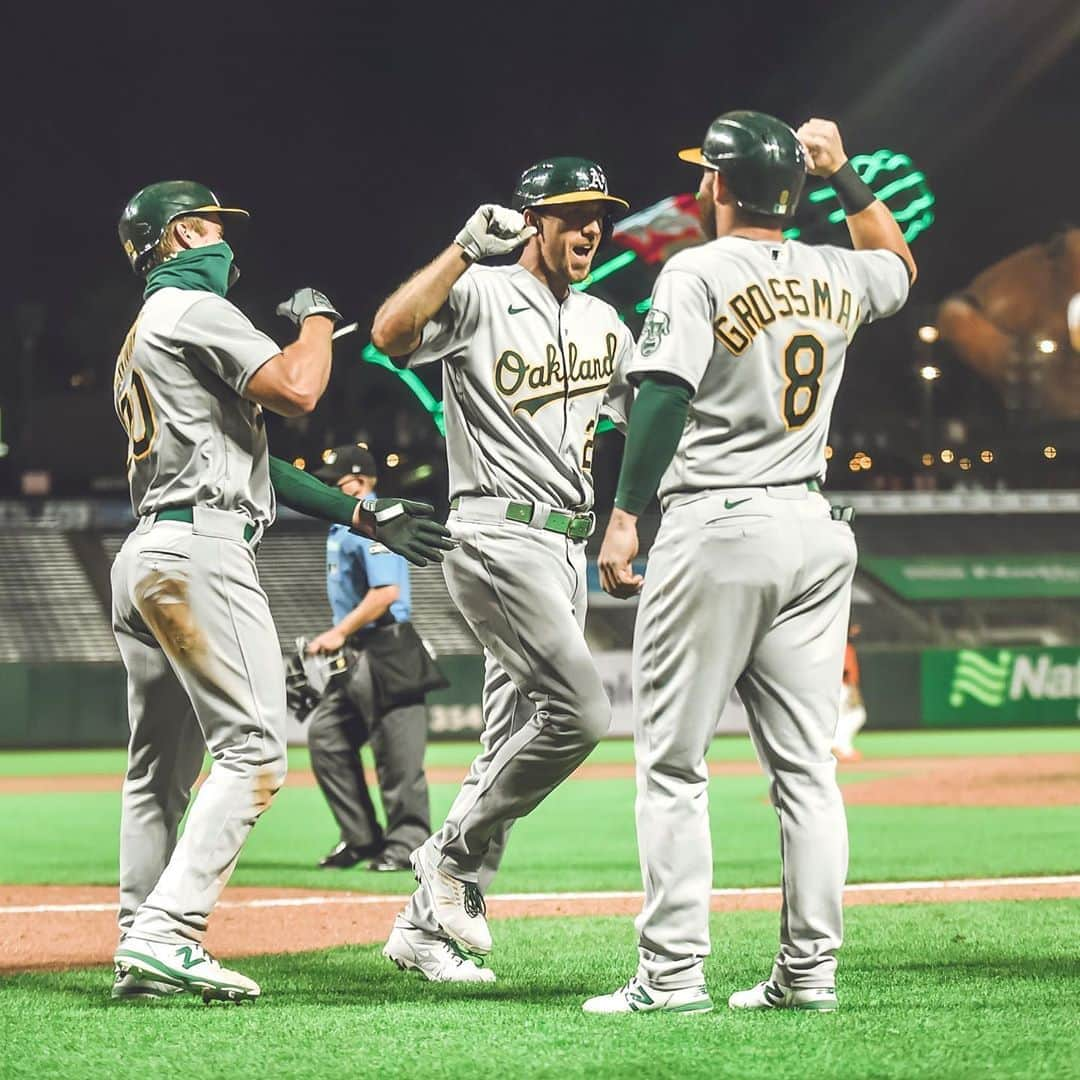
(368, 899)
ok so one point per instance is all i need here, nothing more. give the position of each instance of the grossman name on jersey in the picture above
(514, 373)
(753, 309)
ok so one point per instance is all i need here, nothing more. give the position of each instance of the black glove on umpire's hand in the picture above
(305, 302)
(407, 528)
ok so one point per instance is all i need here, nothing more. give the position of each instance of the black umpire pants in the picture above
(345, 719)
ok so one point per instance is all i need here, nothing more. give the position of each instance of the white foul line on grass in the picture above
(764, 890)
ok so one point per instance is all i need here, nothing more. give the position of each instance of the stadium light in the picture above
(929, 372)
(986, 456)
(965, 463)
(299, 463)
(1046, 346)
(392, 461)
(928, 333)
(1049, 452)
(928, 460)
(947, 456)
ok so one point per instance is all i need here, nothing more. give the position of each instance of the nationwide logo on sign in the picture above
(982, 680)
(1006, 686)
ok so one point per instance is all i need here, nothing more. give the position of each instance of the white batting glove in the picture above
(493, 230)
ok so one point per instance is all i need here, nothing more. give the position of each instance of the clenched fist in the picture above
(493, 230)
(306, 302)
(824, 150)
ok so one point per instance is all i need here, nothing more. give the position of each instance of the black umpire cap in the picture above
(351, 460)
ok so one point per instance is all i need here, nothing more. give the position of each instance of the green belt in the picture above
(187, 513)
(563, 522)
(813, 485)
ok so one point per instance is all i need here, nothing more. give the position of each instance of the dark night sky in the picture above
(361, 135)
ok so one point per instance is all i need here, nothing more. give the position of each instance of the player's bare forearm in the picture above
(875, 228)
(401, 319)
(292, 382)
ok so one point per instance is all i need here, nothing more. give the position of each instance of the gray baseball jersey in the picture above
(760, 331)
(193, 439)
(524, 378)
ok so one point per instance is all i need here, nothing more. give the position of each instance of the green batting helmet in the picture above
(760, 157)
(148, 213)
(559, 180)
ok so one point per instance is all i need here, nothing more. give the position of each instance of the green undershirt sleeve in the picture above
(656, 425)
(301, 491)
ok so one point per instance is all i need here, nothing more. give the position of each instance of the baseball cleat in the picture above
(773, 995)
(187, 967)
(458, 905)
(127, 986)
(635, 997)
(436, 958)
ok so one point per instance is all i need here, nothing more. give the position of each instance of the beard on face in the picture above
(707, 212)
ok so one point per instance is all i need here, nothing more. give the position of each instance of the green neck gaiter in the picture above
(209, 269)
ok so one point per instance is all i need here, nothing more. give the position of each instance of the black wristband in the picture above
(854, 195)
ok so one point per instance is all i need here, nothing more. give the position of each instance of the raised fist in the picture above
(305, 302)
(493, 230)
(821, 143)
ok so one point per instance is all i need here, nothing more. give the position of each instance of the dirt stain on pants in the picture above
(164, 605)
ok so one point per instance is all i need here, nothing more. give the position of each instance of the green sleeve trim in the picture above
(657, 420)
(301, 491)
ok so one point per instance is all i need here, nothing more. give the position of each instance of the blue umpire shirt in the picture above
(355, 564)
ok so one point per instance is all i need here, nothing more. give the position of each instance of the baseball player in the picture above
(191, 621)
(852, 707)
(369, 588)
(527, 361)
(748, 582)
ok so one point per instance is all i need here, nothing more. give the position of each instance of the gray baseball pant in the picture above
(754, 596)
(204, 673)
(524, 593)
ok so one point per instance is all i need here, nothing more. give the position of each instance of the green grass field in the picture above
(965, 990)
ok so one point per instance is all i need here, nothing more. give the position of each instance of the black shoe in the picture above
(346, 855)
(389, 861)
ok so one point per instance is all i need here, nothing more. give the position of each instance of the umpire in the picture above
(368, 588)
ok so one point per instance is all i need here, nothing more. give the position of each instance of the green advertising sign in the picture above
(1000, 687)
(935, 577)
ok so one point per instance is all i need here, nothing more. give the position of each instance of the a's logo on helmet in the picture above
(657, 324)
(597, 180)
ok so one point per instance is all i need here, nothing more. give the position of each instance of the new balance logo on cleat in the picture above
(772, 995)
(635, 997)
